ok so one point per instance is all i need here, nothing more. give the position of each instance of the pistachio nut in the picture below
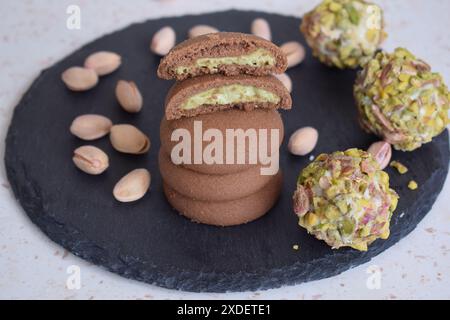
(129, 139)
(163, 40)
(79, 79)
(294, 52)
(300, 201)
(103, 62)
(303, 141)
(129, 96)
(133, 186)
(286, 80)
(201, 30)
(382, 152)
(91, 160)
(90, 126)
(261, 28)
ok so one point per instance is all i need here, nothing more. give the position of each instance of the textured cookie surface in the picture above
(213, 93)
(221, 121)
(208, 187)
(228, 53)
(227, 213)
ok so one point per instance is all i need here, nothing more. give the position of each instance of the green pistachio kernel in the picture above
(413, 185)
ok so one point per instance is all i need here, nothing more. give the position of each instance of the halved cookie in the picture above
(208, 187)
(222, 121)
(212, 93)
(227, 53)
(227, 213)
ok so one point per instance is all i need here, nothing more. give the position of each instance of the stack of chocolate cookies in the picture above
(221, 132)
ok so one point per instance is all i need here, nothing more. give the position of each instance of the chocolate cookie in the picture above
(227, 213)
(208, 187)
(212, 93)
(230, 119)
(227, 53)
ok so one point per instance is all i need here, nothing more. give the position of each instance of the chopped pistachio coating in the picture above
(344, 33)
(401, 168)
(413, 185)
(344, 199)
(401, 100)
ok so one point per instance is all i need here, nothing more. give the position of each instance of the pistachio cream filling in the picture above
(230, 94)
(258, 58)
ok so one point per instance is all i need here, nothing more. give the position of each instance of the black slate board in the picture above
(148, 240)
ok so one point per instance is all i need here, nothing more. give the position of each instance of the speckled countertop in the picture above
(33, 35)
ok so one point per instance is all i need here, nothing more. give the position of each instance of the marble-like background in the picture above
(33, 35)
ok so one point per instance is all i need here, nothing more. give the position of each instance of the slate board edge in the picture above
(71, 239)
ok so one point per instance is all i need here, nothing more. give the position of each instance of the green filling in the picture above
(257, 58)
(231, 94)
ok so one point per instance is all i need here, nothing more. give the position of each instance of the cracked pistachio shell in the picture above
(201, 30)
(133, 186)
(91, 160)
(129, 139)
(286, 80)
(129, 96)
(163, 40)
(103, 62)
(90, 126)
(303, 141)
(261, 28)
(294, 51)
(79, 79)
(382, 152)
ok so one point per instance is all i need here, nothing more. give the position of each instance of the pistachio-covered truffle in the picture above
(344, 33)
(401, 100)
(344, 199)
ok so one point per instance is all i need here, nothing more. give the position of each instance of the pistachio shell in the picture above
(294, 52)
(129, 139)
(129, 96)
(382, 152)
(303, 141)
(91, 160)
(103, 62)
(79, 79)
(163, 41)
(286, 80)
(133, 186)
(201, 30)
(90, 126)
(261, 28)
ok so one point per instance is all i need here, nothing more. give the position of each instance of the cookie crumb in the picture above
(296, 247)
(401, 168)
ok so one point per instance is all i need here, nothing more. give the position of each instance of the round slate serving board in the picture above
(148, 240)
